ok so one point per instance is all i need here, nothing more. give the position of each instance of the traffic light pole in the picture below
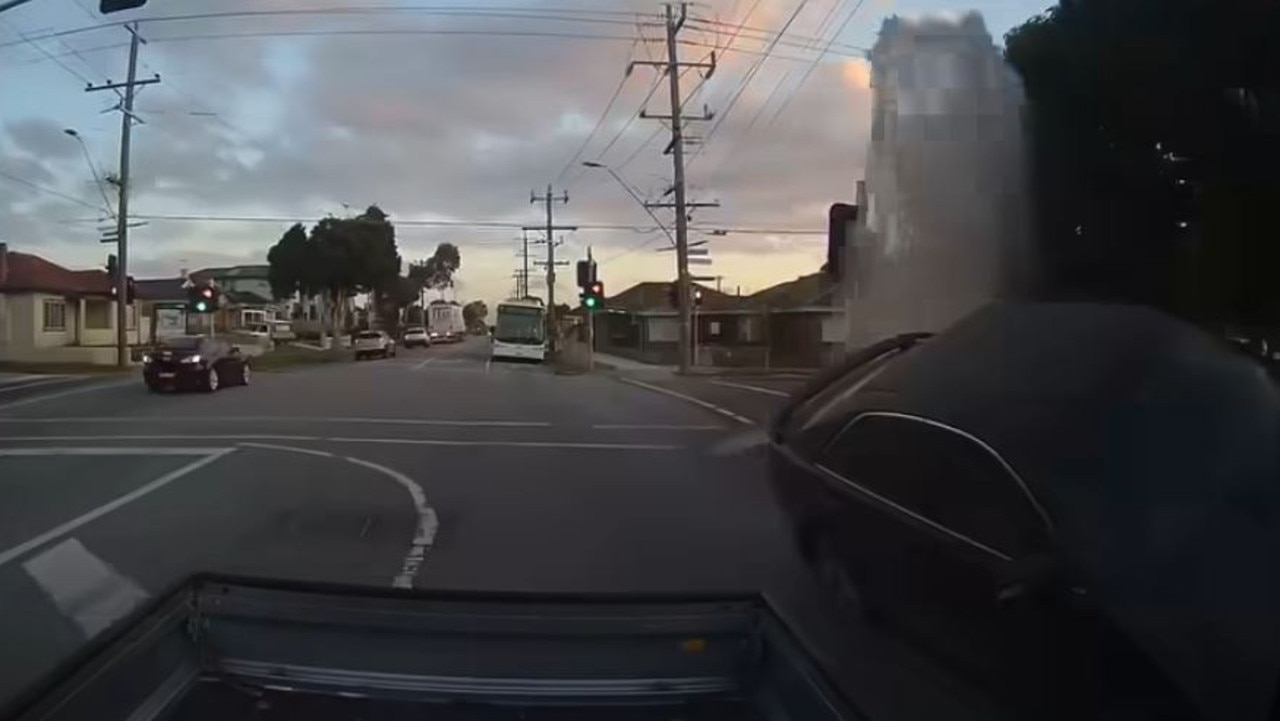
(591, 321)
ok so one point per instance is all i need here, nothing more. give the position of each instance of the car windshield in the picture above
(559, 297)
(519, 324)
(181, 343)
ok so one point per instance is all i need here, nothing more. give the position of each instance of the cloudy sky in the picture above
(447, 115)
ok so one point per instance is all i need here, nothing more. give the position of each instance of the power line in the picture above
(476, 224)
(814, 63)
(604, 114)
(746, 81)
(512, 13)
(51, 191)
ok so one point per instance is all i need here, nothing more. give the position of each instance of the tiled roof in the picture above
(23, 272)
(653, 296)
(810, 290)
(234, 271)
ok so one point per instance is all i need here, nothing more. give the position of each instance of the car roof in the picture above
(1090, 401)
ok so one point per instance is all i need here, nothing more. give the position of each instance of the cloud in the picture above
(41, 138)
(464, 126)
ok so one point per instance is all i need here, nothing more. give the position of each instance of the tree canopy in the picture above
(339, 258)
(474, 314)
(437, 271)
(1155, 155)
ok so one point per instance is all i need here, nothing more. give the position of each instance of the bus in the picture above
(520, 331)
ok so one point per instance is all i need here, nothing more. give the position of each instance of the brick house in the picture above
(52, 314)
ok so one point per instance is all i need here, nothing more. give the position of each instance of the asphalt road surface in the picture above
(435, 469)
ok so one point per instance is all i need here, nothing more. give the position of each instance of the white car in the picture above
(370, 343)
(416, 335)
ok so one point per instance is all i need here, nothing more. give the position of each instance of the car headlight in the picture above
(191, 359)
(146, 358)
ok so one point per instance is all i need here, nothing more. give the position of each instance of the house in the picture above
(51, 314)
(246, 296)
(789, 325)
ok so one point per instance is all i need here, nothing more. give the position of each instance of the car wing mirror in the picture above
(235, 350)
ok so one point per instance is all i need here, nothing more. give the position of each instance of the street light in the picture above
(634, 196)
(97, 179)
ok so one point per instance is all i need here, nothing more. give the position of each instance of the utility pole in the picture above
(672, 68)
(122, 217)
(549, 200)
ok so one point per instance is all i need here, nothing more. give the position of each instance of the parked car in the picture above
(194, 362)
(370, 343)
(1071, 504)
(417, 335)
(282, 331)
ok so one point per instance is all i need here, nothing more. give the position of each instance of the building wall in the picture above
(25, 337)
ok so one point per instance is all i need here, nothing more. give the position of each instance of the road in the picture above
(435, 469)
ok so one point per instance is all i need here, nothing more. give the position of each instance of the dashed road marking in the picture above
(105, 451)
(84, 587)
(35, 382)
(63, 394)
(757, 389)
(425, 363)
(696, 401)
(63, 529)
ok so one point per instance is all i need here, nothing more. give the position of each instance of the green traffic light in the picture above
(202, 306)
(590, 302)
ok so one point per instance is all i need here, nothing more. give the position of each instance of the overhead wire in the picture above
(814, 63)
(604, 114)
(51, 191)
(746, 81)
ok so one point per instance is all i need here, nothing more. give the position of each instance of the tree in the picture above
(1153, 156)
(340, 258)
(474, 314)
(437, 271)
(393, 299)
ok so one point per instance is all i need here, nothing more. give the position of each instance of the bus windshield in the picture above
(518, 324)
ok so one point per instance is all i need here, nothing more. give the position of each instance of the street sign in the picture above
(704, 278)
(699, 251)
(699, 261)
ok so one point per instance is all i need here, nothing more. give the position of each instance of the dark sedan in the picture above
(1073, 505)
(195, 363)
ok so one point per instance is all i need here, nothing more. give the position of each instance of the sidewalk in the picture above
(604, 361)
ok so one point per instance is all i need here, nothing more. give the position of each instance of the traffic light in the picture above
(113, 6)
(586, 273)
(593, 296)
(202, 298)
(697, 297)
(131, 289)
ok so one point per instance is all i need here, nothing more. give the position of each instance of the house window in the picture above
(55, 315)
(714, 329)
(750, 329)
(97, 315)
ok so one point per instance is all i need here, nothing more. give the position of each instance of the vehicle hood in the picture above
(1155, 450)
(172, 354)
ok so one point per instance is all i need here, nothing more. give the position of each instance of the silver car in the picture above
(371, 343)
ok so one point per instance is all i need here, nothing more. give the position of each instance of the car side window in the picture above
(941, 475)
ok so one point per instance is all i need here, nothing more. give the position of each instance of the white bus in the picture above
(520, 330)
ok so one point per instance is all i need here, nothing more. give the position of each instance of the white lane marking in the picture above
(35, 382)
(424, 363)
(428, 523)
(65, 528)
(276, 447)
(105, 451)
(196, 418)
(514, 444)
(696, 401)
(653, 427)
(488, 362)
(757, 389)
(84, 587)
(329, 439)
(64, 394)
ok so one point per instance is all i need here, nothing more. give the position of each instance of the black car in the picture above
(1076, 506)
(195, 362)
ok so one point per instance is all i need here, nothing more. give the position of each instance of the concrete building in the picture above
(941, 220)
